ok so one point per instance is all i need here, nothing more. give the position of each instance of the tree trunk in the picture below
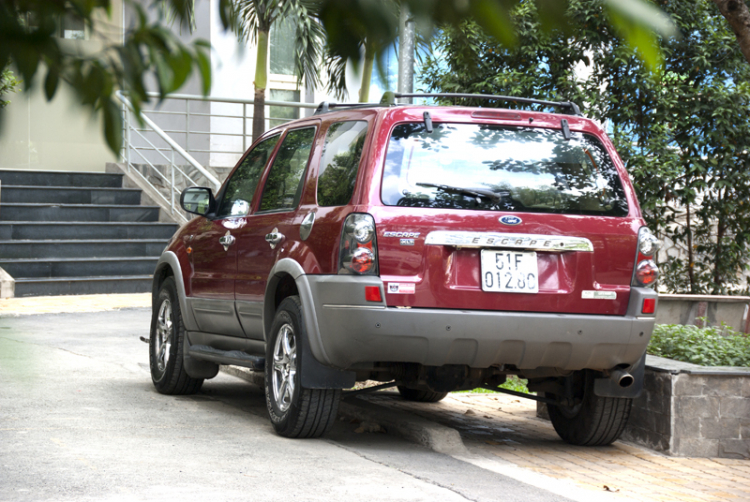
(738, 15)
(261, 79)
(720, 231)
(364, 91)
(691, 263)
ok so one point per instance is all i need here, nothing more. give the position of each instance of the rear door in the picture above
(494, 217)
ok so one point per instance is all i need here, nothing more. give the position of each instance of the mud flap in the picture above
(315, 375)
(196, 368)
(606, 387)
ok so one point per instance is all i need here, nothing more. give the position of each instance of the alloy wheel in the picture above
(284, 367)
(163, 342)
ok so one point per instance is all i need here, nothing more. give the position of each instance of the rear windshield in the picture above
(488, 167)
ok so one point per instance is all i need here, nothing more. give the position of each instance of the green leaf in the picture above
(204, 66)
(50, 83)
(112, 124)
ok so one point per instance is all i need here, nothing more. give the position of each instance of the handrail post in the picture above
(244, 127)
(172, 188)
(129, 123)
(187, 125)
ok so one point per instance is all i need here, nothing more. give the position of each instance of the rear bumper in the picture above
(345, 330)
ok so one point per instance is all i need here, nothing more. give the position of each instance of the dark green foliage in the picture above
(349, 22)
(714, 346)
(29, 44)
(683, 134)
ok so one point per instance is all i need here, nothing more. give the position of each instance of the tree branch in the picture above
(738, 15)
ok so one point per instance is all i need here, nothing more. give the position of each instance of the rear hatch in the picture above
(497, 217)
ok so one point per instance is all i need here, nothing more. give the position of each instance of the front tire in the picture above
(167, 345)
(295, 412)
(595, 421)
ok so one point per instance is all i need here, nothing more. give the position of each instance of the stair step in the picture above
(59, 178)
(69, 195)
(83, 285)
(77, 212)
(79, 267)
(40, 230)
(109, 248)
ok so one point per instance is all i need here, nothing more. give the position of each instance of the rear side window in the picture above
(238, 196)
(340, 163)
(283, 187)
(487, 167)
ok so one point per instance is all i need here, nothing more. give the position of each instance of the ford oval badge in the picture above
(510, 220)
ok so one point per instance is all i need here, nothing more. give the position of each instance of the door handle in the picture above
(274, 238)
(226, 240)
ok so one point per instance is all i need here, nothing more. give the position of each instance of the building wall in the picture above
(58, 135)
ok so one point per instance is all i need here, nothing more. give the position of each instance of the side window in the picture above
(283, 187)
(340, 162)
(238, 196)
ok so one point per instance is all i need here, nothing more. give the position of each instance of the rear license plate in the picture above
(510, 271)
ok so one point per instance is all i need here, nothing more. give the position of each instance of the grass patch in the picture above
(512, 383)
(712, 346)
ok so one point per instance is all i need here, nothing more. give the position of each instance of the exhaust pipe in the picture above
(622, 378)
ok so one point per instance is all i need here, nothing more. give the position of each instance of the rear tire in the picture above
(595, 421)
(295, 412)
(421, 395)
(167, 345)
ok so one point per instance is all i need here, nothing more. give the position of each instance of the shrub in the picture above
(712, 346)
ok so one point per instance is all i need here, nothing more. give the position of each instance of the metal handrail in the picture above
(195, 97)
(177, 148)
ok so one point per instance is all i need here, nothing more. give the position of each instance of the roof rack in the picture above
(326, 106)
(389, 98)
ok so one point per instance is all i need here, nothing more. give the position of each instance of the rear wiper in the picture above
(475, 192)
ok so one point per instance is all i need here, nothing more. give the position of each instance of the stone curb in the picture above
(432, 435)
(429, 434)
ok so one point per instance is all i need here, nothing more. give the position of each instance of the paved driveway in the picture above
(80, 420)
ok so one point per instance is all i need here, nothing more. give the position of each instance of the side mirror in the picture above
(198, 200)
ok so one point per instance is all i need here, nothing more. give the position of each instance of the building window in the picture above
(283, 34)
(278, 115)
(72, 28)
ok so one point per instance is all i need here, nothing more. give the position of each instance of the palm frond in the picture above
(336, 71)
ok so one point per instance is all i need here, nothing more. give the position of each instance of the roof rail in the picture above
(389, 98)
(326, 107)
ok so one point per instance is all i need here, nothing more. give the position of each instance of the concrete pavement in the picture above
(502, 434)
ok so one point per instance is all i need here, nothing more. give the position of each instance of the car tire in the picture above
(167, 345)
(295, 412)
(421, 395)
(595, 421)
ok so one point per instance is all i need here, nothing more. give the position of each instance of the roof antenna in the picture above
(428, 122)
(565, 129)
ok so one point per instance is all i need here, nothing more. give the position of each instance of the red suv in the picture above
(435, 248)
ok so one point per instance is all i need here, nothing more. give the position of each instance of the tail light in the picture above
(646, 272)
(358, 251)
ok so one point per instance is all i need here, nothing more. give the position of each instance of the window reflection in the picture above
(487, 167)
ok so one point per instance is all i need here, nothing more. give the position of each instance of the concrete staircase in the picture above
(68, 233)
